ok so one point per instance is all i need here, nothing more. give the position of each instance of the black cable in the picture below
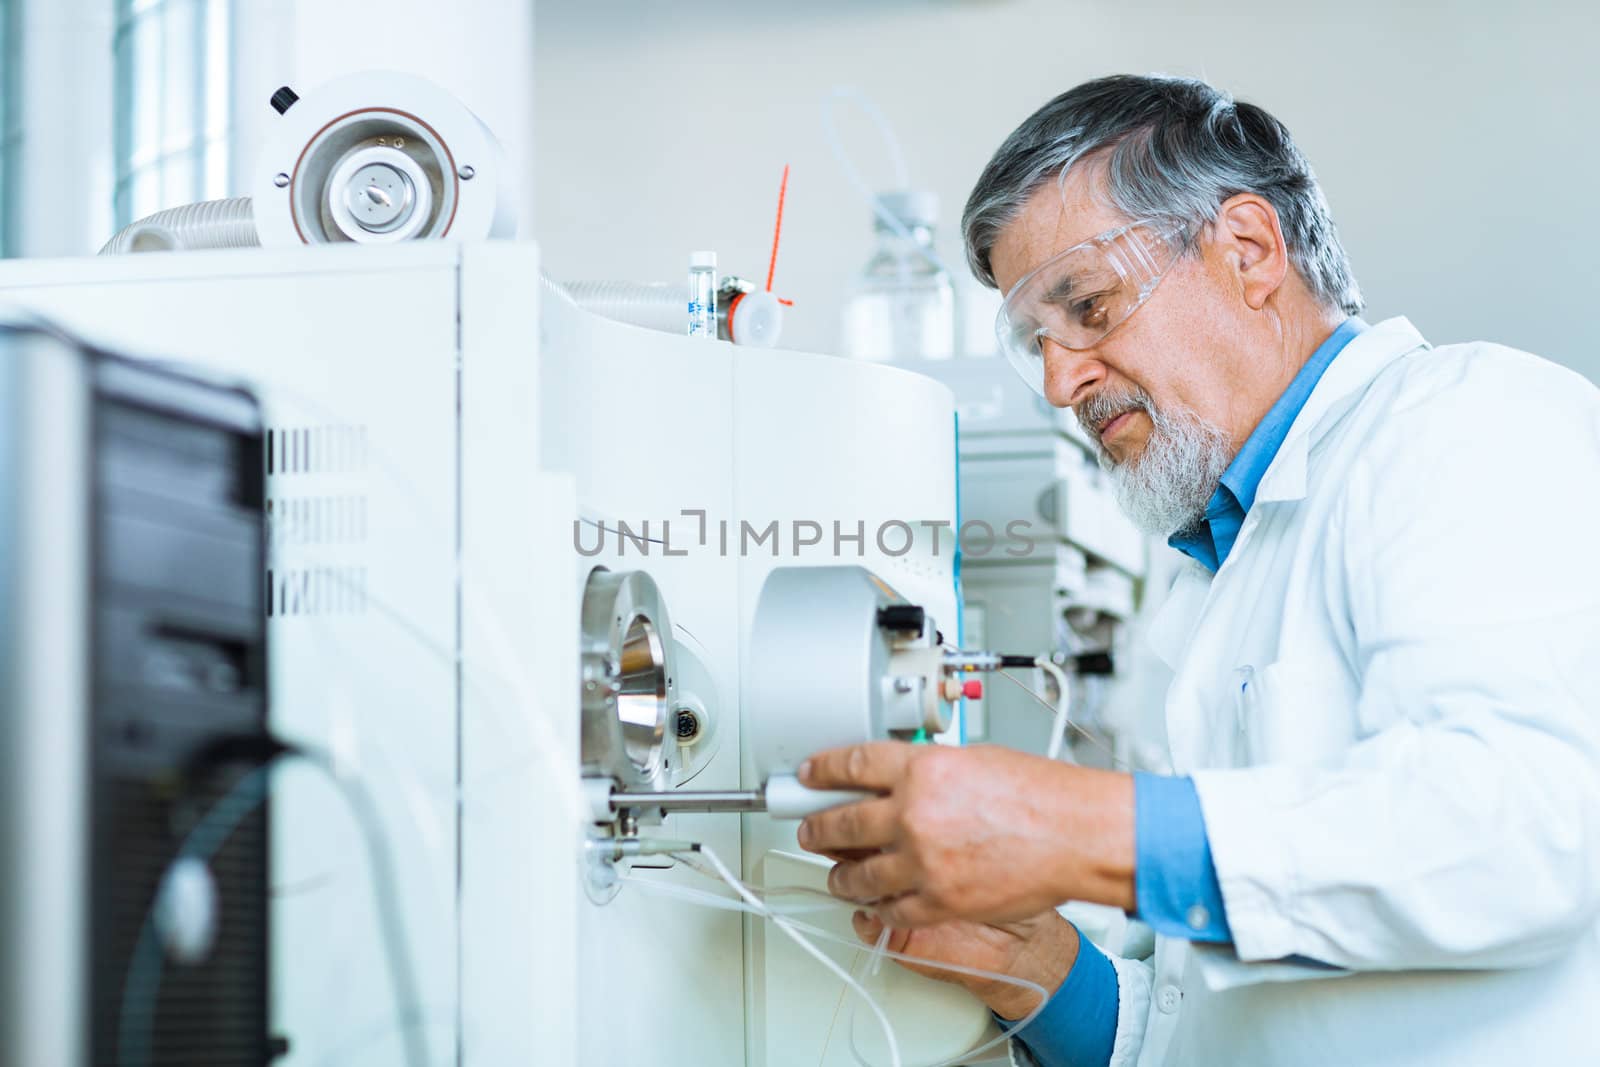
(262, 750)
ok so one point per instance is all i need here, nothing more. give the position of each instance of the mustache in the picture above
(1101, 408)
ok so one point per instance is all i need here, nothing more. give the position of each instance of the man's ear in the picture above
(1250, 239)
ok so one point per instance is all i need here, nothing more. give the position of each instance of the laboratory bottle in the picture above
(901, 306)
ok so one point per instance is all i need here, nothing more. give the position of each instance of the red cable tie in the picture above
(777, 229)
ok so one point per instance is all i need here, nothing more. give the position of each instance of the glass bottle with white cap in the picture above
(902, 306)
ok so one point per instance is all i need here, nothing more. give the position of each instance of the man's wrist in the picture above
(1044, 961)
(1094, 823)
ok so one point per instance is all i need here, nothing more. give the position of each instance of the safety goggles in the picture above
(1078, 296)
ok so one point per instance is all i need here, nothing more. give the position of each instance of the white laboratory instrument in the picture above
(421, 616)
(132, 656)
(482, 499)
(445, 479)
(371, 158)
(710, 467)
(837, 657)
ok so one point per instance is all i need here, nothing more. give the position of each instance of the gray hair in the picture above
(1174, 150)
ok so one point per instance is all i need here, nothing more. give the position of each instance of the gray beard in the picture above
(1167, 487)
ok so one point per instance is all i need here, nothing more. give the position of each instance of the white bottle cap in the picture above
(755, 319)
(707, 260)
(913, 207)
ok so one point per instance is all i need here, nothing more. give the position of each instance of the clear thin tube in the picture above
(413, 787)
(767, 911)
(381, 874)
(792, 932)
(137, 1013)
(471, 676)
(880, 952)
(136, 1018)
(879, 949)
(1116, 761)
(506, 666)
(902, 178)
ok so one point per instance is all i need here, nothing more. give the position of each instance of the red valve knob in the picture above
(972, 689)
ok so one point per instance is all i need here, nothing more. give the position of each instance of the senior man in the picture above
(1382, 842)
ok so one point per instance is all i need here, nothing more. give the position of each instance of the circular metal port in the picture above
(627, 687)
(374, 175)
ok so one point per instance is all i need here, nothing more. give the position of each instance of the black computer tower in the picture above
(134, 813)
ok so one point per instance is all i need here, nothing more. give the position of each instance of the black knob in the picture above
(284, 99)
(905, 618)
(1095, 663)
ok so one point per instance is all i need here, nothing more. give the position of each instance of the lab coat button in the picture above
(1198, 917)
(1167, 999)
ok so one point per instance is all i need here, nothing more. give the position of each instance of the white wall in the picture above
(480, 50)
(63, 166)
(1456, 142)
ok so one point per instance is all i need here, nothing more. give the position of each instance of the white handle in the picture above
(788, 799)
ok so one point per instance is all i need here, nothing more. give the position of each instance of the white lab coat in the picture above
(1389, 699)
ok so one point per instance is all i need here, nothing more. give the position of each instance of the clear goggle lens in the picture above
(1078, 296)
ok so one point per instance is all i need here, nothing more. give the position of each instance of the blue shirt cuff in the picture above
(1078, 1027)
(1175, 879)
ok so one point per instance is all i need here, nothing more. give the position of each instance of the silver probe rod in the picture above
(704, 800)
(782, 798)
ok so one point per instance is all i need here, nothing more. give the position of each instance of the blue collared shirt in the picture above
(1078, 1027)
(1212, 541)
(1176, 890)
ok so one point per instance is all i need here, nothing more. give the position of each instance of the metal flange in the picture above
(626, 683)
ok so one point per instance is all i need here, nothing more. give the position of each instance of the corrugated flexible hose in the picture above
(210, 224)
(654, 306)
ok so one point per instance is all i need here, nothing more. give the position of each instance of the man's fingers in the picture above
(874, 878)
(909, 911)
(865, 824)
(876, 765)
(849, 855)
(869, 927)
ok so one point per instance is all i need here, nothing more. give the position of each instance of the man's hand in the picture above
(1041, 949)
(982, 833)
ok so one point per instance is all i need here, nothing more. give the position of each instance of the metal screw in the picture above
(902, 685)
(466, 173)
(281, 181)
(628, 822)
(687, 725)
(399, 142)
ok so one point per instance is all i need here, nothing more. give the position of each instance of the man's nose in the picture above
(1069, 376)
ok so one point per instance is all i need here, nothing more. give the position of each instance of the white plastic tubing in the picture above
(210, 224)
(803, 935)
(656, 306)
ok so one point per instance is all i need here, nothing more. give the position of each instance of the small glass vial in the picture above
(703, 295)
